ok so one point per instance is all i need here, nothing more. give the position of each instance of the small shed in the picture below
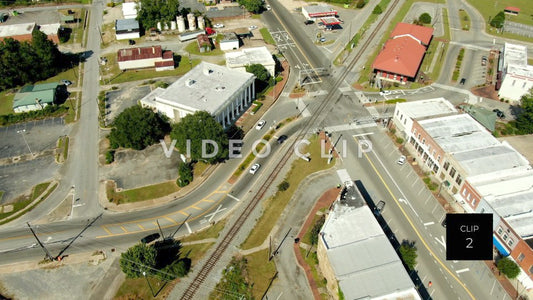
(204, 43)
(511, 10)
(229, 42)
(127, 29)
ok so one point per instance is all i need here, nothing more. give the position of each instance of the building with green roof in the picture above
(35, 97)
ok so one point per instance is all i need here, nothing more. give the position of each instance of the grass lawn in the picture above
(73, 100)
(260, 271)
(274, 206)
(266, 36)
(490, 8)
(465, 20)
(192, 48)
(195, 252)
(141, 194)
(70, 74)
(22, 202)
(211, 232)
(6, 102)
(77, 29)
(312, 260)
(113, 74)
(139, 289)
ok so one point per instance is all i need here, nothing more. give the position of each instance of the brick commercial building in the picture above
(147, 57)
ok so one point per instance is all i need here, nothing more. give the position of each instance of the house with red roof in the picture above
(146, 57)
(402, 54)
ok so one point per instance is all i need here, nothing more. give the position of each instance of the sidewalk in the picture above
(325, 201)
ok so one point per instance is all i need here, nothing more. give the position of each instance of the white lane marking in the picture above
(409, 204)
(188, 227)
(233, 197)
(429, 223)
(442, 241)
(462, 270)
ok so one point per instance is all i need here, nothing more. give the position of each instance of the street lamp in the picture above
(152, 290)
(22, 134)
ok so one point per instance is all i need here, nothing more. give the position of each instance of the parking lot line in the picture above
(106, 230)
(122, 227)
(197, 208)
(140, 226)
(208, 200)
(183, 213)
(171, 220)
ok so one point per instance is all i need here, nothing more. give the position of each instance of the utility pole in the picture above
(179, 227)
(41, 244)
(279, 246)
(162, 235)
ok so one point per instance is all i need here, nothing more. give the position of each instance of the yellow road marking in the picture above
(193, 206)
(208, 200)
(183, 213)
(413, 226)
(170, 220)
(155, 223)
(122, 227)
(140, 226)
(106, 230)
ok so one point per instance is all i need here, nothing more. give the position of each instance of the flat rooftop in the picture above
(206, 87)
(41, 17)
(317, 9)
(524, 71)
(16, 29)
(514, 54)
(522, 143)
(427, 108)
(249, 56)
(490, 159)
(458, 133)
(364, 261)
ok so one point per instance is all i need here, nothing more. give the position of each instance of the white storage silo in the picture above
(192, 21)
(181, 23)
(201, 22)
(172, 25)
(159, 26)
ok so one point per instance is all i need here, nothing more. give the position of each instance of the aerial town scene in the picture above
(266, 149)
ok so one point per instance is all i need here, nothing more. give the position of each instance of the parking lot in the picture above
(472, 69)
(36, 136)
(126, 96)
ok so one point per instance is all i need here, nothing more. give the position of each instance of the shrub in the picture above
(424, 18)
(377, 10)
(399, 140)
(283, 186)
(316, 229)
(185, 174)
(498, 20)
(360, 4)
(109, 156)
(508, 267)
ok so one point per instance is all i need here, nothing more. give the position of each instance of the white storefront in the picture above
(222, 92)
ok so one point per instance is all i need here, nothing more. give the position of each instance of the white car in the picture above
(384, 93)
(252, 27)
(260, 125)
(401, 160)
(218, 25)
(254, 168)
(268, 7)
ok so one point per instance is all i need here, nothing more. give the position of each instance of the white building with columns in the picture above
(223, 92)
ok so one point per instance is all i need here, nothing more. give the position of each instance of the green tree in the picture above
(254, 6)
(360, 4)
(424, 18)
(524, 119)
(408, 253)
(138, 259)
(137, 128)
(259, 71)
(283, 186)
(151, 12)
(377, 10)
(185, 174)
(201, 128)
(498, 20)
(315, 231)
(234, 280)
(508, 267)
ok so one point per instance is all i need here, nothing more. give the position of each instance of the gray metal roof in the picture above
(361, 256)
(206, 87)
(427, 108)
(249, 56)
(458, 133)
(490, 159)
(126, 24)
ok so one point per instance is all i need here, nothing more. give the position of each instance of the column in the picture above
(232, 110)
(223, 120)
(253, 89)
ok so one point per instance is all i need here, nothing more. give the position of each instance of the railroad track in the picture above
(312, 121)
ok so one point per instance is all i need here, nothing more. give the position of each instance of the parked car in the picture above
(380, 206)
(218, 25)
(463, 81)
(268, 7)
(385, 93)
(322, 40)
(131, 42)
(282, 139)
(401, 160)
(66, 82)
(309, 22)
(254, 168)
(252, 27)
(150, 238)
(499, 113)
(260, 125)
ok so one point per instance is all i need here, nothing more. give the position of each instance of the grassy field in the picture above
(73, 101)
(113, 75)
(141, 194)
(209, 233)
(274, 206)
(22, 202)
(266, 36)
(490, 8)
(465, 20)
(6, 102)
(260, 271)
(192, 48)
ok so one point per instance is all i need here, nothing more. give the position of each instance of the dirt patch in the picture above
(488, 91)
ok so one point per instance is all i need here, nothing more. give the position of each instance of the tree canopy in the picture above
(524, 119)
(508, 267)
(137, 128)
(424, 18)
(377, 10)
(138, 259)
(28, 62)
(151, 12)
(254, 6)
(259, 71)
(498, 20)
(409, 255)
(199, 128)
